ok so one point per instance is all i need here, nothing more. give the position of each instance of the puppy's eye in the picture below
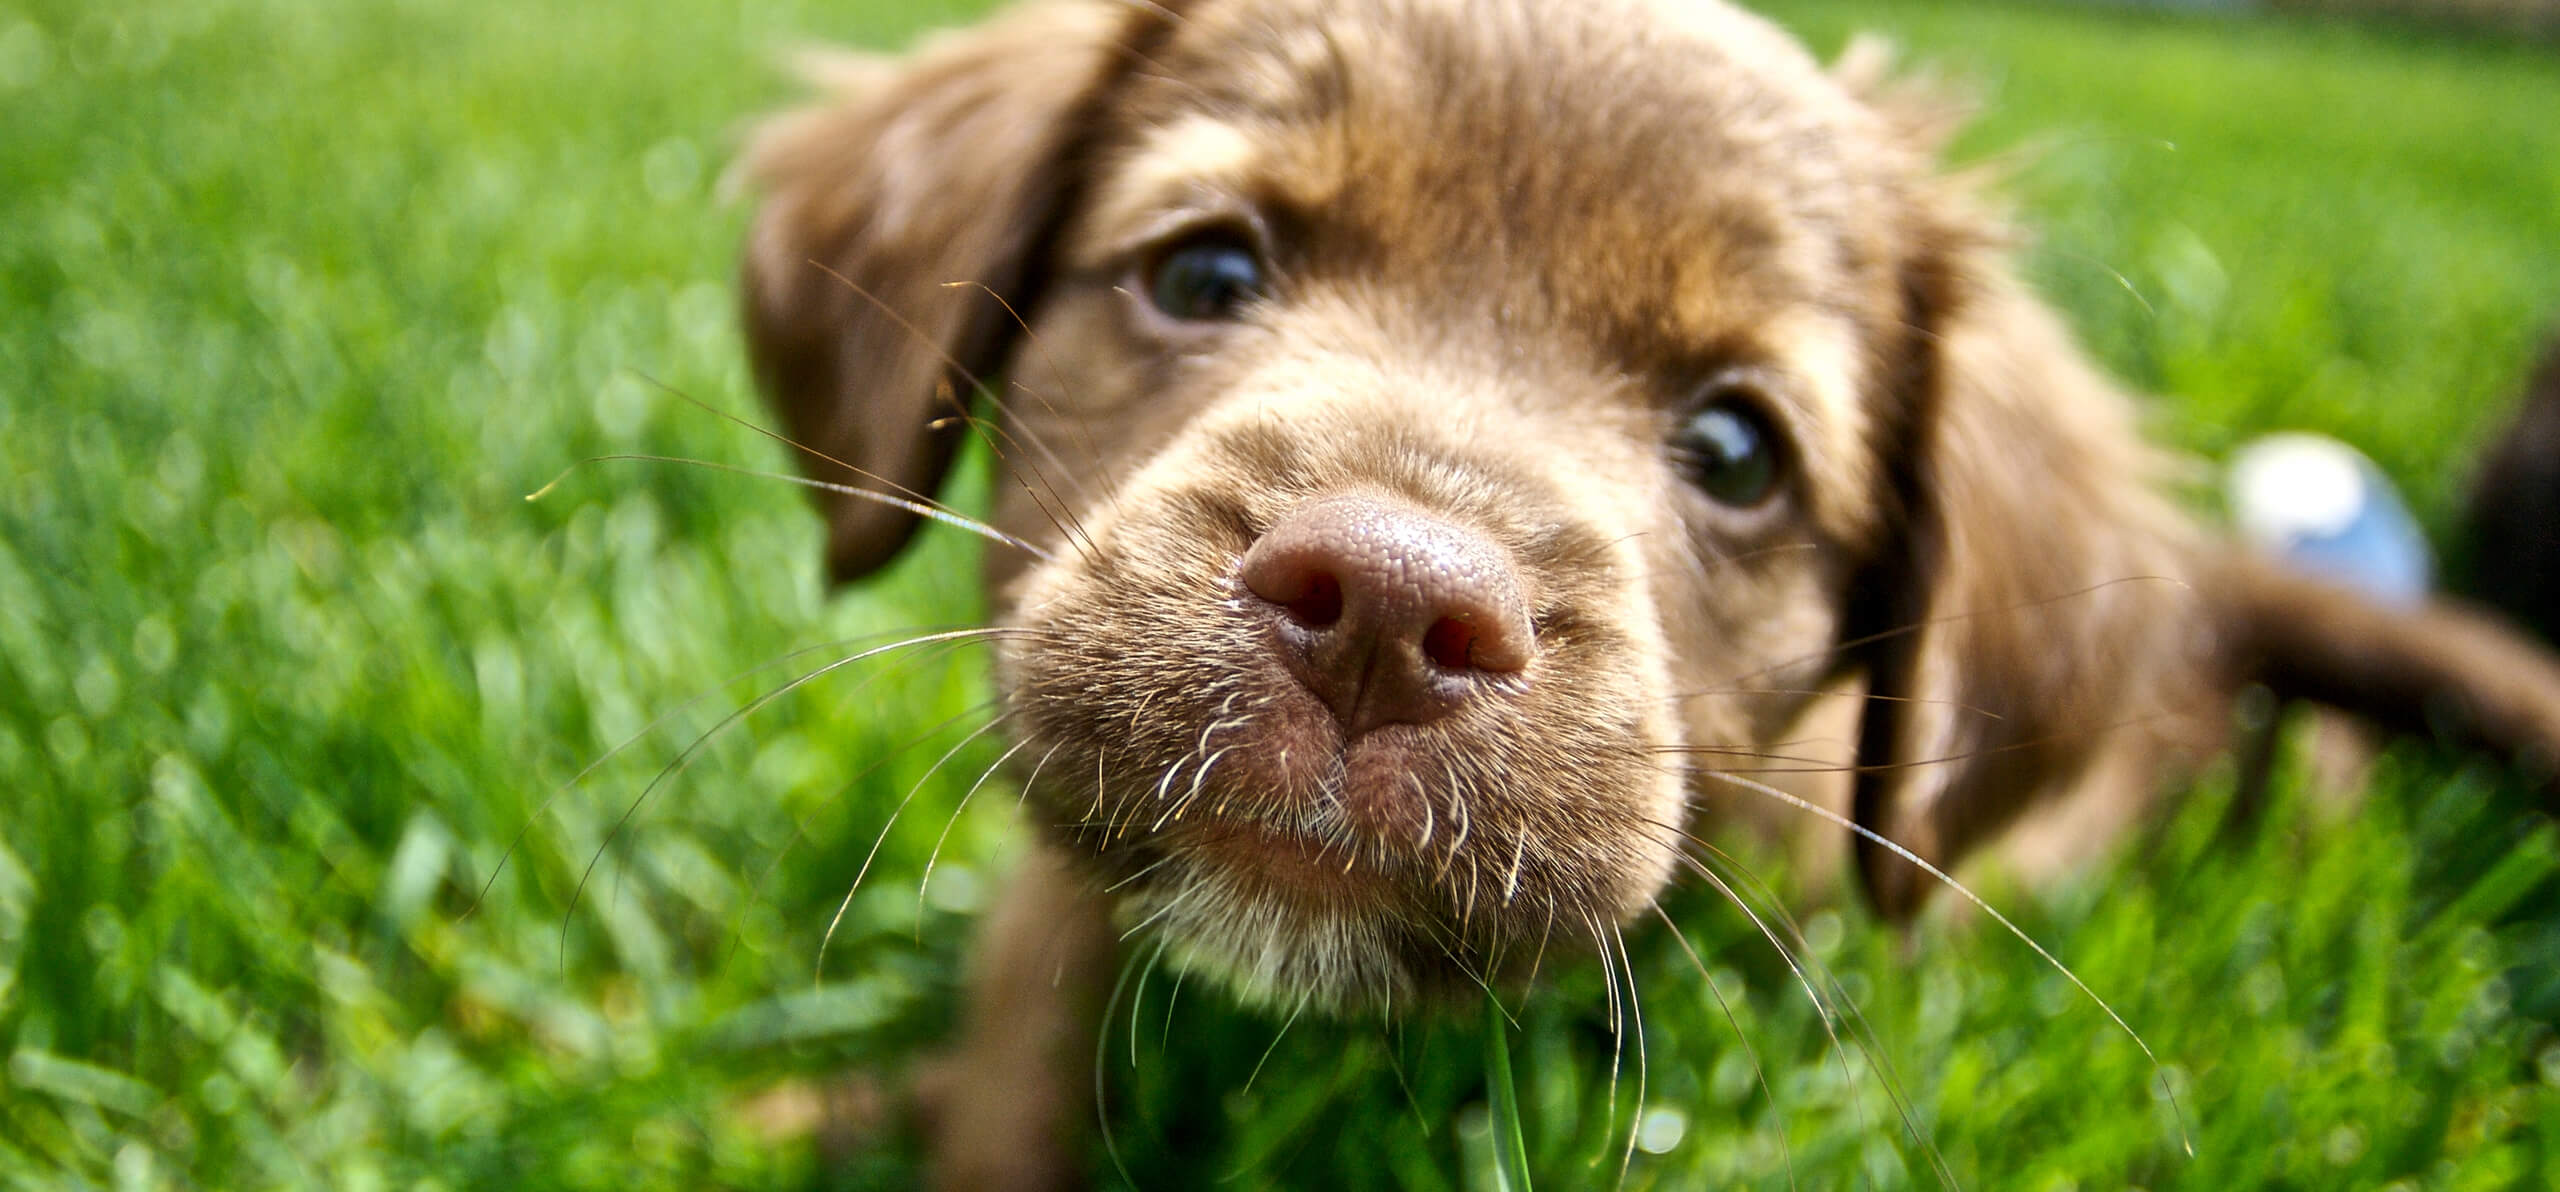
(1205, 277)
(1730, 451)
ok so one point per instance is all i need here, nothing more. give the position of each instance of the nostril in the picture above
(1450, 643)
(1304, 588)
(1388, 614)
(1320, 605)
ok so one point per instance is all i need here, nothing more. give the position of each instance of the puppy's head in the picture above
(1458, 433)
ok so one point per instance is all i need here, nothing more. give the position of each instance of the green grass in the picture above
(301, 299)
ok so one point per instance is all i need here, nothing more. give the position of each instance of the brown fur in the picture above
(1510, 246)
(2514, 516)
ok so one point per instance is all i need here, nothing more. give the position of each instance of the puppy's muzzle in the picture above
(1387, 614)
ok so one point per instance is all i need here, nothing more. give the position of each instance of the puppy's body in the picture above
(1459, 441)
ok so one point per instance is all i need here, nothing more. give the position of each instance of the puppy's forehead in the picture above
(1640, 190)
(1657, 168)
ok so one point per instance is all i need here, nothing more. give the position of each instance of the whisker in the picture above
(1198, 777)
(1092, 455)
(1595, 553)
(1162, 788)
(1617, 1010)
(2159, 1070)
(943, 387)
(800, 824)
(1149, 867)
(1172, 999)
(957, 810)
(926, 498)
(1869, 1041)
(1294, 1012)
(1759, 1075)
(1538, 959)
(1062, 513)
(1635, 1013)
(1949, 619)
(919, 508)
(1138, 1000)
(1101, 1085)
(1910, 764)
(1765, 551)
(1394, 1041)
(1796, 959)
(1830, 693)
(1158, 915)
(1021, 433)
(1044, 497)
(660, 721)
(1760, 753)
(1034, 777)
(1840, 1008)
(1823, 1010)
(819, 970)
(2126, 283)
(685, 758)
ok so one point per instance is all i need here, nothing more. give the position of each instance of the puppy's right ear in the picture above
(2033, 598)
(948, 166)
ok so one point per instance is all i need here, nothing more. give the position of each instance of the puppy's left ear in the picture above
(2030, 607)
(951, 165)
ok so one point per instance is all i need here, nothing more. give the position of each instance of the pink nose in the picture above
(1389, 615)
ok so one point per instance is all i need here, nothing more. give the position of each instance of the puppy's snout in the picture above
(1389, 615)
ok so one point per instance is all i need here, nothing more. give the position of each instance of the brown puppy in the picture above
(1455, 440)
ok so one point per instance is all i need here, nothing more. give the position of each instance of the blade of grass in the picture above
(1510, 1154)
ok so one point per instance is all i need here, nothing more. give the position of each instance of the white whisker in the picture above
(819, 971)
(2159, 1070)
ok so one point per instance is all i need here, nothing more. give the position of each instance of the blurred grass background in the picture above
(301, 299)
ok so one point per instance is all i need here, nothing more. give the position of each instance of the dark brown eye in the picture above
(1205, 277)
(1730, 451)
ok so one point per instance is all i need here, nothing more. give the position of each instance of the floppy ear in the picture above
(2030, 607)
(950, 165)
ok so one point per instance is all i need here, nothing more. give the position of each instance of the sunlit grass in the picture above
(302, 300)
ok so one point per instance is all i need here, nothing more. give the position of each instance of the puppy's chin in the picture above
(1288, 919)
(1282, 924)
(1234, 820)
